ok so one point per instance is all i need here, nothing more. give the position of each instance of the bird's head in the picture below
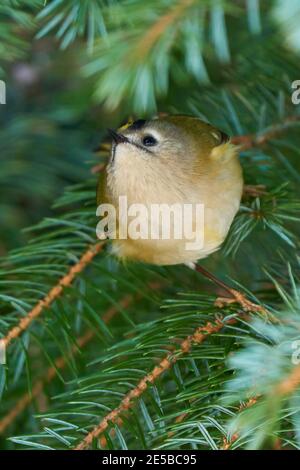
(177, 141)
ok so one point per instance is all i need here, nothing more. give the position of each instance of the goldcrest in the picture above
(172, 160)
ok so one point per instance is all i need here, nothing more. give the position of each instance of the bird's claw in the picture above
(238, 297)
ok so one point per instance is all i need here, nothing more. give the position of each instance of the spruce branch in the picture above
(156, 30)
(285, 387)
(16, 16)
(227, 443)
(59, 364)
(197, 337)
(249, 141)
(236, 296)
(38, 387)
(200, 335)
(289, 384)
(53, 294)
(267, 371)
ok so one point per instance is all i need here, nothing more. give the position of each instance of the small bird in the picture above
(171, 160)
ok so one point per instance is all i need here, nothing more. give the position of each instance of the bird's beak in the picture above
(117, 138)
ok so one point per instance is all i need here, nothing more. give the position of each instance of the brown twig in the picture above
(285, 387)
(252, 140)
(289, 384)
(254, 190)
(158, 28)
(52, 295)
(200, 334)
(60, 363)
(227, 443)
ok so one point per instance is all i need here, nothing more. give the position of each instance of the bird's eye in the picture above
(149, 140)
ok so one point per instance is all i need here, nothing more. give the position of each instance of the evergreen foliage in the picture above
(130, 356)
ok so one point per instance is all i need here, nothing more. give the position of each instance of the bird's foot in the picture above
(239, 298)
(221, 302)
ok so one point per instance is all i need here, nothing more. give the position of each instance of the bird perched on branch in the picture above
(171, 161)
